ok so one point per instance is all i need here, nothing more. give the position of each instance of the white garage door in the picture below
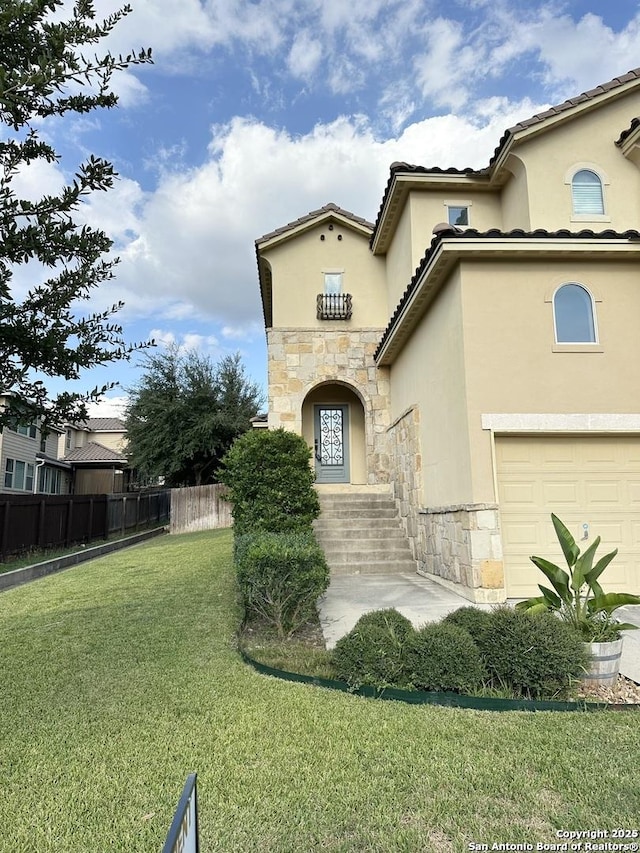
(591, 483)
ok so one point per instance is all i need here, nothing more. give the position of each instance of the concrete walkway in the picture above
(422, 600)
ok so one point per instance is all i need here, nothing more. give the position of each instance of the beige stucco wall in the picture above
(586, 141)
(399, 259)
(298, 266)
(429, 374)
(423, 210)
(514, 198)
(428, 208)
(510, 363)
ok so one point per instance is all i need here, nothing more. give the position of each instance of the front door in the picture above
(331, 443)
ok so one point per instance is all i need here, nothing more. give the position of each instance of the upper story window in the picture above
(586, 193)
(333, 304)
(574, 315)
(29, 430)
(332, 283)
(458, 215)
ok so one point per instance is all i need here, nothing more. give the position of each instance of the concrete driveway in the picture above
(422, 600)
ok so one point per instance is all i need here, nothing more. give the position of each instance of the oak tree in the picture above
(185, 413)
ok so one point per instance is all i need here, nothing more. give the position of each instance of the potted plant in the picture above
(578, 598)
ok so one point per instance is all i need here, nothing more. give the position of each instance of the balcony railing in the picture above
(333, 306)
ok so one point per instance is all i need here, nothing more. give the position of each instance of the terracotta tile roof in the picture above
(625, 133)
(328, 208)
(539, 118)
(589, 95)
(518, 234)
(94, 452)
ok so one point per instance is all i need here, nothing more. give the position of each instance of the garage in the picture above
(591, 482)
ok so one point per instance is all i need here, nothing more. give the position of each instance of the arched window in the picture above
(586, 193)
(574, 315)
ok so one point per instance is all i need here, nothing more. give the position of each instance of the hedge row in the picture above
(524, 655)
(281, 569)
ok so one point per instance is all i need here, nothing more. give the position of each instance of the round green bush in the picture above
(442, 656)
(536, 656)
(472, 619)
(388, 619)
(270, 482)
(372, 653)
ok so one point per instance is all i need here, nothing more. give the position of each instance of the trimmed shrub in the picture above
(372, 652)
(270, 482)
(280, 576)
(536, 656)
(472, 619)
(442, 656)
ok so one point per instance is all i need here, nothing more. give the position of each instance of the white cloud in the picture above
(192, 254)
(305, 55)
(109, 407)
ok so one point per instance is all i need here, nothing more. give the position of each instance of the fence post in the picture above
(124, 514)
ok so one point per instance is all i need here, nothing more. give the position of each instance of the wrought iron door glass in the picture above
(331, 437)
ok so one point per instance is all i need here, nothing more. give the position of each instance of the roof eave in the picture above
(449, 251)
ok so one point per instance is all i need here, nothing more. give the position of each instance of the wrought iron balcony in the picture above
(333, 306)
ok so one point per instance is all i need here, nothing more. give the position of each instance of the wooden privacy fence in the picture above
(48, 521)
(199, 508)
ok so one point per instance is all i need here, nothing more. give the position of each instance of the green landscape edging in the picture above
(419, 697)
(8, 580)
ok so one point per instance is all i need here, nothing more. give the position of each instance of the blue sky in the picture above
(258, 111)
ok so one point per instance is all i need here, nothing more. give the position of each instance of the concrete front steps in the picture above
(360, 532)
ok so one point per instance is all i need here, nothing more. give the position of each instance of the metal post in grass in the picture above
(183, 836)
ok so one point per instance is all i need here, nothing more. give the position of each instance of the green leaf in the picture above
(558, 577)
(529, 603)
(611, 601)
(583, 566)
(567, 542)
(626, 626)
(554, 602)
(592, 576)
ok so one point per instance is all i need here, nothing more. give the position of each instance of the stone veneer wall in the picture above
(301, 359)
(406, 472)
(461, 547)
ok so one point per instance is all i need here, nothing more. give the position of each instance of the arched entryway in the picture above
(333, 423)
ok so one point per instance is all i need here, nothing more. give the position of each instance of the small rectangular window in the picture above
(28, 477)
(332, 283)
(8, 474)
(458, 215)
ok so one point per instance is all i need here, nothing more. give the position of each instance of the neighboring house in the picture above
(95, 450)
(31, 463)
(477, 347)
(85, 458)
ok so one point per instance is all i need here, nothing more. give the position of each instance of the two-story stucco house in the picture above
(476, 349)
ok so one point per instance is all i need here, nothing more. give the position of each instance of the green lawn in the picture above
(121, 676)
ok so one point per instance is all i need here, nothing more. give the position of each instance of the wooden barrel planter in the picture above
(605, 663)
